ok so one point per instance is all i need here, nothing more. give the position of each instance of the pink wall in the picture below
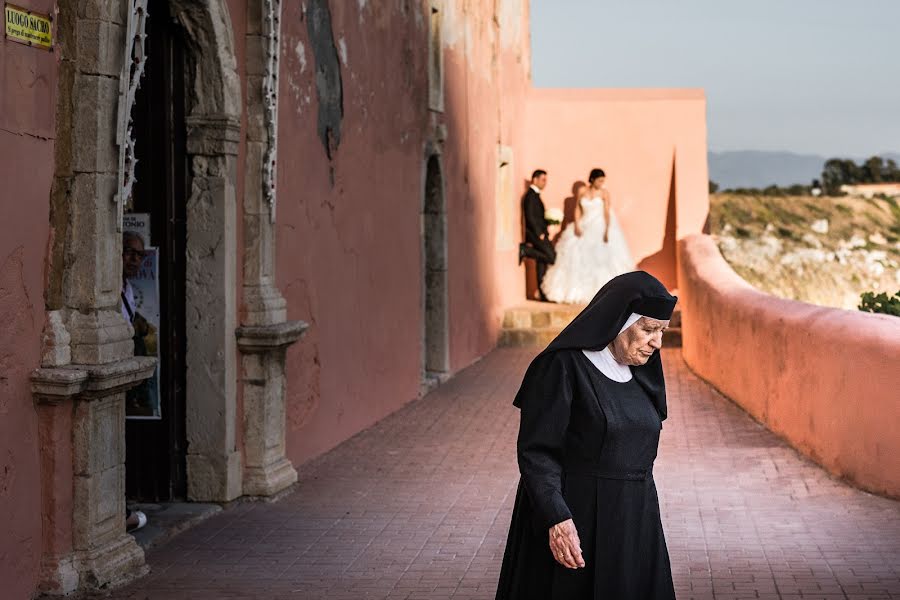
(27, 105)
(825, 379)
(349, 251)
(645, 141)
(348, 229)
(485, 109)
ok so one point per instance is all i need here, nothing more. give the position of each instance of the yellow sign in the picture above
(28, 27)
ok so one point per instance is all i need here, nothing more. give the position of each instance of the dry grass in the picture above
(780, 245)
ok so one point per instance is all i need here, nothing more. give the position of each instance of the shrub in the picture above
(880, 303)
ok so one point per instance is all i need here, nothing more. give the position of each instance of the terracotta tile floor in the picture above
(418, 506)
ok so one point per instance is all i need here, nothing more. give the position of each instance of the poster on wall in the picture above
(138, 223)
(143, 401)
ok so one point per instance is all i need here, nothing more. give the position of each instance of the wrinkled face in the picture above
(636, 345)
(132, 256)
(540, 182)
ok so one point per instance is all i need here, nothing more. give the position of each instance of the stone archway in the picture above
(87, 361)
(436, 344)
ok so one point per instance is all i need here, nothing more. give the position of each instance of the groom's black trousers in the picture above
(543, 254)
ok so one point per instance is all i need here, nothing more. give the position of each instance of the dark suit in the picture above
(537, 240)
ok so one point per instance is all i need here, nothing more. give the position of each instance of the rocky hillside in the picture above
(825, 251)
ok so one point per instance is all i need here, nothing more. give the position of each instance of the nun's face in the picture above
(636, 345)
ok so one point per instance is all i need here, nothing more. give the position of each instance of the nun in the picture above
(586, 521)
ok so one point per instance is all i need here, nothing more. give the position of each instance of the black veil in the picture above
(599, 324)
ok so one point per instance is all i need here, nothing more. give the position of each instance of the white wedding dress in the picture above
(584, 264)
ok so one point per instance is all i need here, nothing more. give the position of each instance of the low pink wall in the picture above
(652, 145)
(827, 380)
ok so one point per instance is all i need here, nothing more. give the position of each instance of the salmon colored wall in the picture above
(649, 143)
(825, 379)
(486, 82)
(349, 257)
(27, 129)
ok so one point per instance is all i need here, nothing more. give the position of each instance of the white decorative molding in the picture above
(129, 81)
(272, 32)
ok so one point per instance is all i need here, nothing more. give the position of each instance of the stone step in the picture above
(527, 337)
(537, 323)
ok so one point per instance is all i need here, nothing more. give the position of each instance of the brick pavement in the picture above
(418, 507)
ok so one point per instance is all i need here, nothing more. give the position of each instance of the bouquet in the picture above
(553, 216)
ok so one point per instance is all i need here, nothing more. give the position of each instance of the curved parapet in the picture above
(826, 379)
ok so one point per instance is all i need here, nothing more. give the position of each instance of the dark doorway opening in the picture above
(436, 342)
(156, 448)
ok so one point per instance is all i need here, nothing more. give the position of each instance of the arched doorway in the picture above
(186, 130)
(155, 438)
(436, 354)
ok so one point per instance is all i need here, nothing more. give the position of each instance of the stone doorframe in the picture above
(87, 361)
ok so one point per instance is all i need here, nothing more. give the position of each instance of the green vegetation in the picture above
(880, 303)
(843, 171)
(835, 173)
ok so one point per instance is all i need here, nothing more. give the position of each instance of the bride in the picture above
(591, 251)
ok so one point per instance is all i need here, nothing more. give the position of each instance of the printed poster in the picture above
(143, 401)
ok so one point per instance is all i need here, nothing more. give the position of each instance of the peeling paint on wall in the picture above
(510, 18)
(300, 51)
(329, 89)
(342, 44)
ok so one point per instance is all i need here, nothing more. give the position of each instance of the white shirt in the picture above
(536, 189)
(127, 298)
(604, 361)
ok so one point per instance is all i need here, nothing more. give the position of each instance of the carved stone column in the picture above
(87, 362)
(213, 459)
(82, 412)
(265, 334)
(266, 469)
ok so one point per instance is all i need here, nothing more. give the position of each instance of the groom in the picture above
(537, 241)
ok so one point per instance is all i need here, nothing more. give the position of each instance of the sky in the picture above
(806, 76)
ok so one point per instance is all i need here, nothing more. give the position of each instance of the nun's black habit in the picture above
(586, 448)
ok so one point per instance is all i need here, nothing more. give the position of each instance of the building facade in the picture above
(331, 194)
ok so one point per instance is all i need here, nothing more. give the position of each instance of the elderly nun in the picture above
(586, 521)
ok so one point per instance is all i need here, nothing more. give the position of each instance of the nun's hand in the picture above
(565, 545)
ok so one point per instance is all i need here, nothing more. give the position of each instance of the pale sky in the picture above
(808, 76)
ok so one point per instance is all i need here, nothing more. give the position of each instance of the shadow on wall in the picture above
(663, 263)
(570, 205)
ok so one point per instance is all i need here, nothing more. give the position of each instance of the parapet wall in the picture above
(827, 380)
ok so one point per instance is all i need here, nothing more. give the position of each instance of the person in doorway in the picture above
(139, 399)
(132, 257)
(589, 252)
(537, 243)
(586, 522)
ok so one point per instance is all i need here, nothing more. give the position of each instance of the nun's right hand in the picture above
(565, 545)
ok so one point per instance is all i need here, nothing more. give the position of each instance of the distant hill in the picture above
(759, 168)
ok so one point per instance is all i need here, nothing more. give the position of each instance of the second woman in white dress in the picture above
(591, 251)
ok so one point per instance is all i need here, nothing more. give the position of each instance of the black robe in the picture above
(586, 449)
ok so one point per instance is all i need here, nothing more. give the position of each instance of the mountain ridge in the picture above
(762, 168)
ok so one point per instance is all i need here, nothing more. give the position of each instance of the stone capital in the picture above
(266, 338)
(52, 385)
(211, 135)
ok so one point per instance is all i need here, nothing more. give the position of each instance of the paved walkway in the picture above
(418, 507)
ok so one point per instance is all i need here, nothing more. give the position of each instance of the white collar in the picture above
(609, 366)
(536, 189)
